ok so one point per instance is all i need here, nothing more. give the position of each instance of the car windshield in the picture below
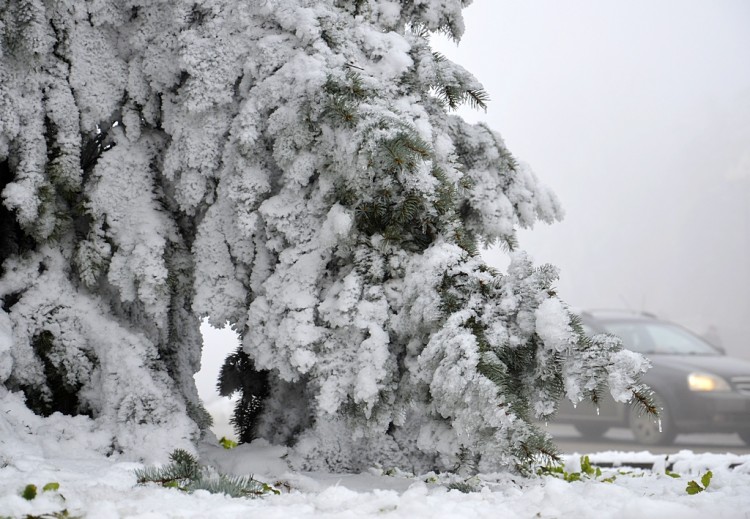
(658, 338)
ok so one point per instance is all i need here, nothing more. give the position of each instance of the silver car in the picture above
(700, 389)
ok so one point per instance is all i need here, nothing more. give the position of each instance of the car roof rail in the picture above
(601, 312)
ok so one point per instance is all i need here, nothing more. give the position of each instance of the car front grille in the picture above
(742, 384)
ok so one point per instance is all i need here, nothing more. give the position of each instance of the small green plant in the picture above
(227, 443)
(29, 492)
(559, 472)
(672, 474)
(588, 471)
(693, 487)
(186, 474)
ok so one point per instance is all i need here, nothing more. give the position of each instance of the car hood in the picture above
(716, 364)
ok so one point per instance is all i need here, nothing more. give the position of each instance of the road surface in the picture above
(619, 439)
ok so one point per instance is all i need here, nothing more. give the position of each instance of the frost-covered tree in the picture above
(97, 271)
(291, 167)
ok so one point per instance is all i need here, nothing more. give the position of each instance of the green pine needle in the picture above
(186, 474)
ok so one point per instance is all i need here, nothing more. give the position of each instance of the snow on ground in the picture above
(67, 451)
(95, 486)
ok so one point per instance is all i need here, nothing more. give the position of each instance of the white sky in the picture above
(637, 114)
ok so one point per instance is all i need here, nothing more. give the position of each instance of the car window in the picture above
(658, 337)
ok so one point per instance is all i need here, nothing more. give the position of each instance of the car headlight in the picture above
(707, 382)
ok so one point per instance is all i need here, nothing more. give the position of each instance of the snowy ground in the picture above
(64, 451)
(93, 486)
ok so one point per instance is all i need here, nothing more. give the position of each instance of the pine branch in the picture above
(495, 371)
(439, 57)
(233, 486)
(538, 449)
(186, 474)
(643, 400)
(477, 98)
(183, 468)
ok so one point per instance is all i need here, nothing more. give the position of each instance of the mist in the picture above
(637, 114)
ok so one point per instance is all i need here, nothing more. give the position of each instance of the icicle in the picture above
(575, 405)
(597, 410)
(546, 424)
(659, 421)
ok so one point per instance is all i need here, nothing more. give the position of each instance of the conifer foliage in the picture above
(291, 167)
(185, 473)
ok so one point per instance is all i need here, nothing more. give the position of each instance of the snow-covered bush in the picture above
(291, 167)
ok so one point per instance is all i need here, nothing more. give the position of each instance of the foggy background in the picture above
(637, 114)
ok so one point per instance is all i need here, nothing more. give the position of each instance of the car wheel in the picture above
(745, 436)
(648, 430)
(591, 430)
